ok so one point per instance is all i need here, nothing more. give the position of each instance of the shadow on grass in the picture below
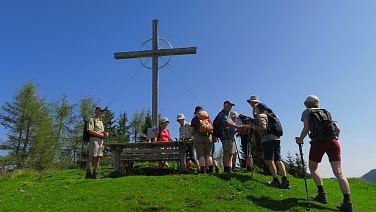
(240, 177)
(150, 171)
(286, 204)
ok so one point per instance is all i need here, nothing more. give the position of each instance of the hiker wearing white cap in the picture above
(324, 139)
(185, 135)
(162, 134)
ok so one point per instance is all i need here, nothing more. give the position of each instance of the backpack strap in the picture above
(159, 132)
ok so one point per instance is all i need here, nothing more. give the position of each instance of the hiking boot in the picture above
(346, 207)
(321, 197)
(94, 176)
(210, 170)
(275, 184)
(217, 170)
(202, 170)
(227, 169)
(88, 175)
(285, 184)
(249, 169)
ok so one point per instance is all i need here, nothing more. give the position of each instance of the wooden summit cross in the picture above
(155, 53)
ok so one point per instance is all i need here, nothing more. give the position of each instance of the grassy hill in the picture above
(69, 191)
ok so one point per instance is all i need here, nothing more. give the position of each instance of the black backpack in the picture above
(246, 119)
(274, 125)
(85, 134)
(217, 127)
(322, 127)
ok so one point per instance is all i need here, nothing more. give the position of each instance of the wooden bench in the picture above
(125, 154)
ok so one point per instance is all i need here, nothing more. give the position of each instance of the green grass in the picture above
(69, 191)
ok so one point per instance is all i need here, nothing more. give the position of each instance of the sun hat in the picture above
(233, 114)
(229, 102)
(312, 99)
(165, 120)
(180, 116)
(253, 99)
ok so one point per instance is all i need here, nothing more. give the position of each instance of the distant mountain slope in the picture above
(370, 176)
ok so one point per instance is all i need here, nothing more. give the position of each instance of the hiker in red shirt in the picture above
(162, 134)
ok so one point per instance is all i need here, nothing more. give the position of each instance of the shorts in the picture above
(272, 150)
(203, 145)
(319, 148)
(96, 147)
(228, 147)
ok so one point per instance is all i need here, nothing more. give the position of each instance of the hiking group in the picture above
(263, 130)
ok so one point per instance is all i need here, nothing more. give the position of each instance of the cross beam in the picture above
(155, 53)
(160, 52)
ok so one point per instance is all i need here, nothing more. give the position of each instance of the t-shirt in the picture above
(224, 119)
(184, 130)
(95, 124)
(306, 114)
(163, 135)
(262, 119)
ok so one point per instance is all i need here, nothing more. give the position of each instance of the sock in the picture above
(320, 189)
(284, 178)
(87, 170)
(275, 179)
(202, 169)
(210, 169)
(346, 198)
(233, 166)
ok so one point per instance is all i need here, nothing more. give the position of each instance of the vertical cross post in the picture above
(155, 76)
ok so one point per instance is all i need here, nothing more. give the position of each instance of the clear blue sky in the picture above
(281, 51)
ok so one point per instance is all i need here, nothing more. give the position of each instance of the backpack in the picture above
(218, 129)
(246, 119)
(274, 125)
(322, 126)
(85, 134)
(206, 127)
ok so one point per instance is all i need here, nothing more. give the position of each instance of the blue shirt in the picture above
(224, 119)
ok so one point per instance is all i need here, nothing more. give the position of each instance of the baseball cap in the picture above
(229, 102)
(100, 108)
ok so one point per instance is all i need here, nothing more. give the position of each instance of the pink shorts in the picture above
(319, 148)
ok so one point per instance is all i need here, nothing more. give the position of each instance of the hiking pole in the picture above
(304, 172)
(237, 151)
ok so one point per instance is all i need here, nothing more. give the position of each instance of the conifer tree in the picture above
(122, 129)
(25, 118)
